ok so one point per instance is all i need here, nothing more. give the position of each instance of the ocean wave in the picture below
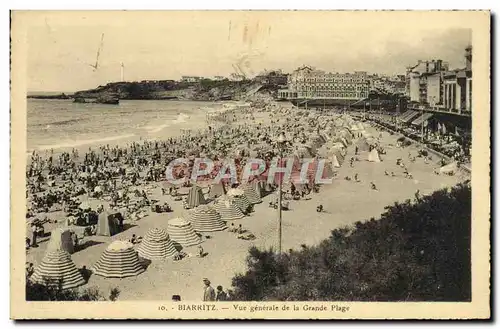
(81, 142)
(59, 123)
(155, 129)
(181, 118)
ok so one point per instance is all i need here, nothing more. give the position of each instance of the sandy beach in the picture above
(345, 203)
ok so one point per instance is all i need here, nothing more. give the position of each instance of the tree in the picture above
(51, 291)
(417, 251)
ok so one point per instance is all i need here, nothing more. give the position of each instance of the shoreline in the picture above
(174, 128)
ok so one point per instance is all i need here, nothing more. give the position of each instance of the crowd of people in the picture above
(451, 144)
(120, 177)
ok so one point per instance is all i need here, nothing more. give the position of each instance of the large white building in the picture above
(307, 82)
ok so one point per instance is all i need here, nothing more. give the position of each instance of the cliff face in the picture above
(204, 90)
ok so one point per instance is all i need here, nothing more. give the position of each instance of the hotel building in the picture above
(309, 83)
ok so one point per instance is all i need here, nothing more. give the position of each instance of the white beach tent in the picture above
(373, 156)
(335, 161)
(60, 239)
(449, 169)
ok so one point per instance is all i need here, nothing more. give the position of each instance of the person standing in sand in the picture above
(208, 291)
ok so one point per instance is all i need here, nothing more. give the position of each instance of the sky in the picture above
(62, 46)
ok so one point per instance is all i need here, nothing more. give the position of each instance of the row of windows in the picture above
(331, 84)
(331, 89)
(329, 80)
(332, 94)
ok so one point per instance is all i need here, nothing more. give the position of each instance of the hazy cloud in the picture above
(167, 46)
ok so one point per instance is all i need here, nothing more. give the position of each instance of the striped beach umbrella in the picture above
(251, 194)
(259, 187)
(119, 260)
(182, 232)
(205, 219)
(156, 245)
(57, 269)
(240, 200)
(243, 203)
(226, 208)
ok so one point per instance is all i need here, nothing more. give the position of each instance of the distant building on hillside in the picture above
(236, 77)
(218, 78)
(187, 78)
(277, 78)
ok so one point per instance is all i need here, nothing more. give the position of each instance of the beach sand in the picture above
(345, 203)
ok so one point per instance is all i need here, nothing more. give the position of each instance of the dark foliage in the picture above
(51, 292)
(416, 251)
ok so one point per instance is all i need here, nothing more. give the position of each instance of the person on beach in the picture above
(30, 269)
(208, 291)
(34, 233)
(417, 195)
(201, 252)
(221, 294)
(74, 237)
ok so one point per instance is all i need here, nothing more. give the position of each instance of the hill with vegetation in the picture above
(204, 90)
(417, 251)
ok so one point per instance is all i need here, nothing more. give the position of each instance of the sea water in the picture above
(62, 124)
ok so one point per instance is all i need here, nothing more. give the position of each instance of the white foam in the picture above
(155, 129)
(181, 118)
(81, 142)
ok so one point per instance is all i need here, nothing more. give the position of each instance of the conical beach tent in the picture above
(217, 190)
(108, 224)
(182, 232)
(60, 239)
(450, 168)
(156, 245)
(335, 161)
(251, 194)
(119, 260)
(228, 210)
(205, 219)
(237, 195)
(362, 144)
(195, 197)
(259, 187)
(57, 269)
(373, 156)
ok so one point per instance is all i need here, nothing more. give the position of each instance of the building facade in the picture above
(434, 89)
(277, 78)
(307, 82)
(416, 78)
(432, 84)
(186, 78)
(457, 93)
